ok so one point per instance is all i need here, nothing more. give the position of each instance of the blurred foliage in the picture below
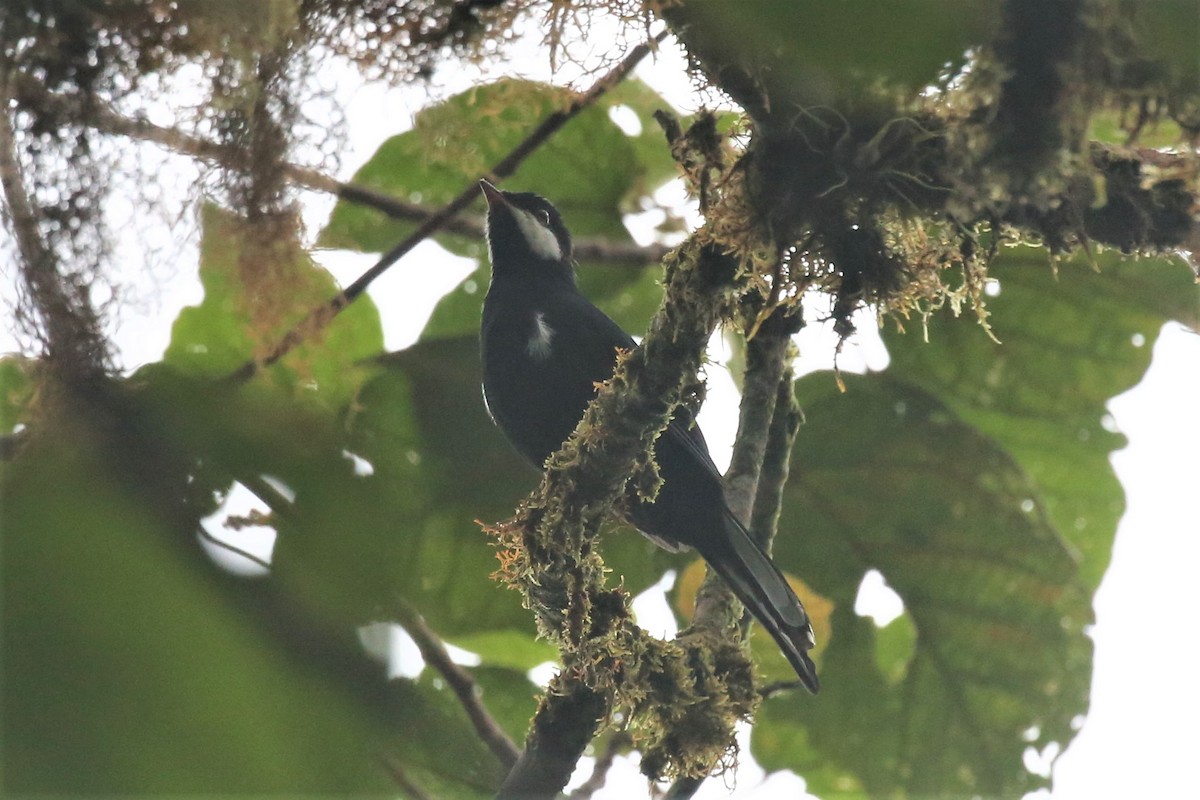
(810, 54)
(16, 389)
(974, 476)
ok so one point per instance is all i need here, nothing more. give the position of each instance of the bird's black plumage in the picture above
(545, 346)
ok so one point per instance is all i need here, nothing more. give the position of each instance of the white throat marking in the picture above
(541, 240)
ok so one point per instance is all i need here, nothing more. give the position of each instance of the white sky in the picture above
(1140, 738)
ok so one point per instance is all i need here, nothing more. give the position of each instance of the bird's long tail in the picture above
(765, 593)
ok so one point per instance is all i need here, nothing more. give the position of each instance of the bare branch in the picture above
(31, 93)
(595, 781)
(406, 784)
(433, 650)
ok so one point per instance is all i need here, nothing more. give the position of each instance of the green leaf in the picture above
(512, 649)
(1070, 342)
(975, 477)
(252, 297)
(891, 479)
(1167, 33)
(590, 167)
(130, 659)
(509, 696)
(895, 645)
(439, 743)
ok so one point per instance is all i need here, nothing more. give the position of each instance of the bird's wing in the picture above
(584, 344)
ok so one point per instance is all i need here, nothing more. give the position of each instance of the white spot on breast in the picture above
(538, 345)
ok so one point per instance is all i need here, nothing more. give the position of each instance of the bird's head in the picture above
(525, 232)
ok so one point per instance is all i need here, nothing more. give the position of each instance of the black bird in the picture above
(545, 346)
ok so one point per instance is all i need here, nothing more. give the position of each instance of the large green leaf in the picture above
(251, 302)
(131, 661)
(510, 697)
(1072, 339)
(127, 668)
(16, 390)
(590, 168)
(890, 479)
(1168, 31)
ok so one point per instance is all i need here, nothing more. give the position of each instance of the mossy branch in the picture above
(549, 554)
(754, 480)
(776, 463)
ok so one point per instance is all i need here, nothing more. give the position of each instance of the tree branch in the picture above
(433, 650)
(604, 763)
(759, 439)
(74, 344)
(776, 463)
(566, 720)
(402, 779)
(31, 93)
(766, 361)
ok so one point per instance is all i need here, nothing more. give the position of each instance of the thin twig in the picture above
(433, 650)
(596, 780)
(401, 778)
(321, 316)
(232, 548)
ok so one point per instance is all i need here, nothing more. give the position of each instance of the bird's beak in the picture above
(493, 195)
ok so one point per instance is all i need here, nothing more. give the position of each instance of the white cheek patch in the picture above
(538, 345)
(541, 240)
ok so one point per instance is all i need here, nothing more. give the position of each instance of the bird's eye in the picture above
(544, 216)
